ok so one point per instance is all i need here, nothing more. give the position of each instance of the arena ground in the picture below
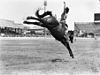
(46, 56)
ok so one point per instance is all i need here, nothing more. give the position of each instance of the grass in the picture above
(37, 55)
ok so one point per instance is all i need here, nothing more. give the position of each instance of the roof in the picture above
(12, 24)
(6, 23)
(9, 23)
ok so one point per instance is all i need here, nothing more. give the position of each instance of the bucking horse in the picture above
(56, 28)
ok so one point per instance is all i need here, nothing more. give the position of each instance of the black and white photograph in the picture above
(49, 37)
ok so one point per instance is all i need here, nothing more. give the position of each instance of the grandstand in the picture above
(9, 28)
(87, 28)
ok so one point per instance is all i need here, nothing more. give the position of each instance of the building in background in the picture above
(96, 17)
(88, 29)
(9, 28)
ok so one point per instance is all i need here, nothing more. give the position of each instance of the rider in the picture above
(64, 17)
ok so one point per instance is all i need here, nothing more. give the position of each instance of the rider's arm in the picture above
(64, 12)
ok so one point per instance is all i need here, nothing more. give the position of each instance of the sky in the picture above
(80, 10)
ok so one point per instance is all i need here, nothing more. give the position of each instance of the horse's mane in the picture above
(44, 14)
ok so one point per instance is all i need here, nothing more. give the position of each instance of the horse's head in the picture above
(44, 14)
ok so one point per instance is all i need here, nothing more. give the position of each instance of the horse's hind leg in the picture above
(66, 44)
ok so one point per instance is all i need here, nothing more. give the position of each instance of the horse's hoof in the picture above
(25, 22)
(72, 56)
(29, 17)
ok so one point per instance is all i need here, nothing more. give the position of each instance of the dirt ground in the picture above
(49, 57)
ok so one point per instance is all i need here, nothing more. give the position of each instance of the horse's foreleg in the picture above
(38, 19)
(66, 44)
(34, 23)
(31, 17)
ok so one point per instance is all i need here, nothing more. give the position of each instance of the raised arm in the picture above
(63, 13)
(64, 7)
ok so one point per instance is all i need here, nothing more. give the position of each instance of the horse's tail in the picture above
(44, 14)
